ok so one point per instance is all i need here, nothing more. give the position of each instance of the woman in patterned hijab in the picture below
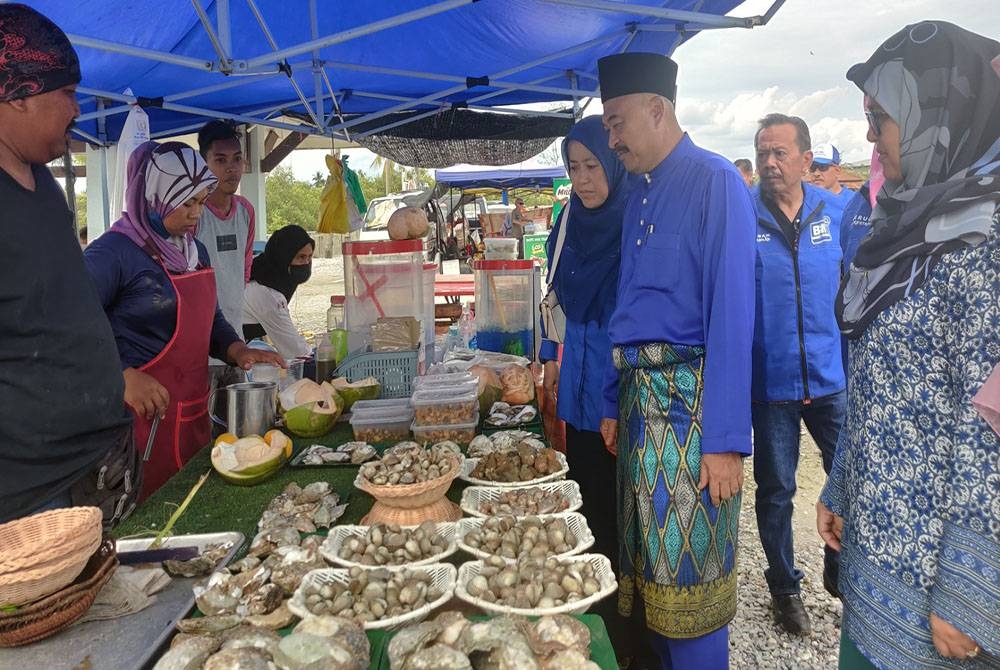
(912, 499)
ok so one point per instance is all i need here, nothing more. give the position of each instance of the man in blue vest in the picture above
(798, 374)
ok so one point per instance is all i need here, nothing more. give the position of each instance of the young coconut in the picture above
(311, 409)
(363, 389)
(408, 223)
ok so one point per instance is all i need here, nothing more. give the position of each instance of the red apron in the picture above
(182, 368)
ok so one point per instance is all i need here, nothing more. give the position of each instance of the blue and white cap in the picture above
(826, 154)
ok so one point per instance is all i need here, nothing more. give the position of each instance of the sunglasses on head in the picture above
(875, 118)
(819, 167)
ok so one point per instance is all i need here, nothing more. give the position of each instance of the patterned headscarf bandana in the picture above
(161, 178)
(936, 81)
(35, 55)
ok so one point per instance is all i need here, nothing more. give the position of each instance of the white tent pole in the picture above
(435, 111)
(286, 68)
(164, 57)
(447, 77)
(360, 31)
(317, 66)
(225, 28)
(225, 62)
(504, 73)
(678, 15)
(102, 136)
(507, 110)
(200, 111)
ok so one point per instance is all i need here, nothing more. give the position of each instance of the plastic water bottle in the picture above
(453, 341)
(335, 327)
(467, 327)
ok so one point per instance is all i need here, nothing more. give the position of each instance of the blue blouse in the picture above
(140, 301)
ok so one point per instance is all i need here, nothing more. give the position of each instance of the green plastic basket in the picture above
(394, 370)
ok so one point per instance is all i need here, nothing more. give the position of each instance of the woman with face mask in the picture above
(158, 291)
(276, 273)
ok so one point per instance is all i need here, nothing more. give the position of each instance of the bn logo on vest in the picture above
(819, 232)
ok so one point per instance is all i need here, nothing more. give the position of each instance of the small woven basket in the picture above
(411, 496)
(59, 610)
(48, 538)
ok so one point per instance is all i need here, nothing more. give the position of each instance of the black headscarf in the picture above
(271, 267)
(936, 81)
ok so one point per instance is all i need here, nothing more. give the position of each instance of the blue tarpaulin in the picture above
(335, 64)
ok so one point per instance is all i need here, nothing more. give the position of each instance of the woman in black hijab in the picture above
(276, 273)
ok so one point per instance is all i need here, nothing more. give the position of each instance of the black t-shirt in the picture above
(61, 390)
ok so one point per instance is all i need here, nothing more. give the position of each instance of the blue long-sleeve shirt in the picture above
(140, 301)
(687, 277)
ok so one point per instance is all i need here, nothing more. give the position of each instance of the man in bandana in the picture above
(677, 399)
(65, 436)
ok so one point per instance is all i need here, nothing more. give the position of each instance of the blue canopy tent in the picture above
(335, 69)
(523, 175)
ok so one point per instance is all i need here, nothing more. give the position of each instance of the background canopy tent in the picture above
(343, 69)
(528, 174)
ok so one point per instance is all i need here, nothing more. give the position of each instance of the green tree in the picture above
(81, 209)
(290, 200)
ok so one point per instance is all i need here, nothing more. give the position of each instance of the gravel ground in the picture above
(755, 641)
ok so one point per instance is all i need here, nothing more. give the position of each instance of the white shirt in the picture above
(267, 307)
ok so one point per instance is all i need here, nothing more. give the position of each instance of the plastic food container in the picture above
(506, 309)
(444, 406)
(460, 433)
(363, 406)
(455, 380)
(501, 248)
(382, 426)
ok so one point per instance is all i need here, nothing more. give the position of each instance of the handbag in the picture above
(553, 316)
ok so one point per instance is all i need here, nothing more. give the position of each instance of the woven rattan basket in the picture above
(411, 496)
(59, 610)
(440, 511)
(48, 538)
(27, 586)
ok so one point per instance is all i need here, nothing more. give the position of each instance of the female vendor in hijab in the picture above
(158, 291)
(586, 281)
(912, 497)
(276, 273)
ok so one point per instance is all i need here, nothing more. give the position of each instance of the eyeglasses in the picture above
(875, 119)
(819, 167)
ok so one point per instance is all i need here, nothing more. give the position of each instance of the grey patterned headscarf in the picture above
(936, 81)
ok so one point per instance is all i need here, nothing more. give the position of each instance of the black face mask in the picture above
(300, 273)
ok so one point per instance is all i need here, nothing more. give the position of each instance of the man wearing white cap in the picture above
(825, 172)
(677, 393)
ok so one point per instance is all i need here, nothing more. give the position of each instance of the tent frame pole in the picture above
(504, 73)
(163, 57)
(677, 15)
(360, 31)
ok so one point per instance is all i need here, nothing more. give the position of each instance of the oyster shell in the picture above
(189, 654)
(348, 633)
(438, 657)
(276, 620)
(409, 641)
(240, 658)
(209, 624)
(200, 565)
(304, 651)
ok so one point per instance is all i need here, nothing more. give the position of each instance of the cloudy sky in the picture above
(795, 64)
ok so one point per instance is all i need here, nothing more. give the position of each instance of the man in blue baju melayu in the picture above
(677, 392)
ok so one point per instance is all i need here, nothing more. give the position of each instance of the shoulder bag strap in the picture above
(560, 238)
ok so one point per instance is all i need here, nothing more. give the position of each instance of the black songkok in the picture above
(637, 72)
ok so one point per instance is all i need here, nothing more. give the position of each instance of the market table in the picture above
(220, 506)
